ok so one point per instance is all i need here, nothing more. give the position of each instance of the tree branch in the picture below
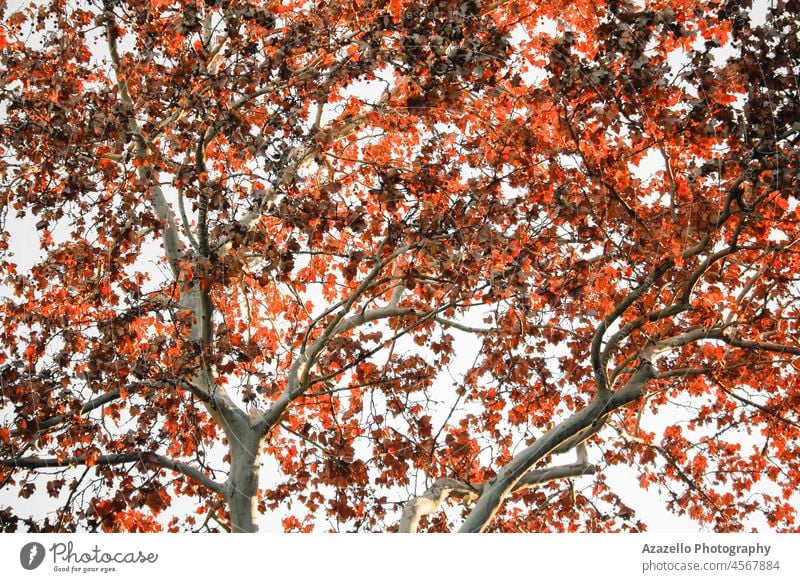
(764, 409)
(110, 396)
(755, 345)
(430, 501)
(90, 405)
(670, 311)
(690, 482)
(462, 327)
(718, 333)
(172, 246)
(199, 301)
(185, 220)
(599, 366)
(497, 489)
(297, 381)
(117, 459)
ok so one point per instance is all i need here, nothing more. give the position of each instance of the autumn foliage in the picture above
(400, 256)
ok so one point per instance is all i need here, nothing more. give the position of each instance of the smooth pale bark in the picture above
(241, 489)
(245, 440)
(430, 501)
(496, 490)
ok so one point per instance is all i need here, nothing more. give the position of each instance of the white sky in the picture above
(648, 505)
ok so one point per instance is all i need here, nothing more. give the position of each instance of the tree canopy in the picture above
(374, 265)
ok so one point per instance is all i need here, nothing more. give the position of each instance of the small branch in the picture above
(95, 403)
(690, 482)
(462, 327)
(185, 220)
(673, 188)
(71, 495)
(202, 203)
(223, 525)
(598, 172)
(763, 409)
(683, 373)
(90, 405)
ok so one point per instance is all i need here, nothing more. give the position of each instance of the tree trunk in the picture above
(242, 485)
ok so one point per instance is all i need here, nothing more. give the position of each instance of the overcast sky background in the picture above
(648, 505)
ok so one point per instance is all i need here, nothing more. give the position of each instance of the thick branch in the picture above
(297, 381)
(172, 244)
(298, 374)
(735, 190)
(117, 459)
(599, 366)
(422, 318)
(627, 329)
(463, 327)
(718, 333)
(430, 501)
(670, 311)
(756, 345)
(498, 488)
(577, 469)
(219, 403)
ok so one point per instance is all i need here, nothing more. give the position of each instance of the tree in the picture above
(402, 254)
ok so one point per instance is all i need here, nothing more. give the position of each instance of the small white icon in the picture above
(32, 553)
